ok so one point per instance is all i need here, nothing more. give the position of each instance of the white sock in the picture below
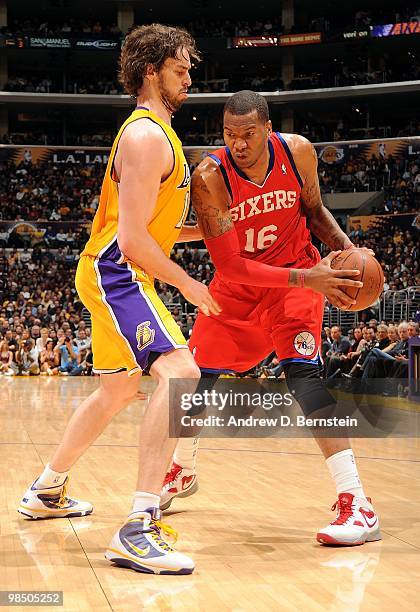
(50, 478)
(185, 453)
(142, 501)
(344, 472)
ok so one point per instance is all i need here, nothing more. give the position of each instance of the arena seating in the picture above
(316, 21)
(48, 300)
(336, 76)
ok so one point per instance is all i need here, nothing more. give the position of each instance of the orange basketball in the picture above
(371, 275)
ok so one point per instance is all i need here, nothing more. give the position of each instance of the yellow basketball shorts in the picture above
(129, 321)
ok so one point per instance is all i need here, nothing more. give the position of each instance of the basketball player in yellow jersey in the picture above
(144, 201)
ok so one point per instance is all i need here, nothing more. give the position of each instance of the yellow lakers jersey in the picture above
(171, 205)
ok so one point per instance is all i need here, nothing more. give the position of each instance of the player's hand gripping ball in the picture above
(371, 275)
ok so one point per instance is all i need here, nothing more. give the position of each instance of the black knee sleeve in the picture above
(206, 383)
(307, 387)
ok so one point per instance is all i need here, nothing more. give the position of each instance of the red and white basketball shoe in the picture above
(179, 482)
(356, 523)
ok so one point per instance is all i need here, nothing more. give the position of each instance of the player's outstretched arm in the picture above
(143, 160)
(210, 200)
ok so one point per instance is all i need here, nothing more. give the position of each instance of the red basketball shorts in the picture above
(256, 321)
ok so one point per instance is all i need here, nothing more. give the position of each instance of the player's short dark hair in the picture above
(151, 44)
(245, 102)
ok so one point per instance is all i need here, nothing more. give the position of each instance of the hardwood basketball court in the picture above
(250, 528)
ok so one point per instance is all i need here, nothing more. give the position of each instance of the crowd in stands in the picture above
(48, 191)
(103, 139)
(64, 197)
(269, 79)
(43, 329)
(55, 193)
(345, 129)
(228, 28)
(210, 28)
(106, 85)
(70, 27)
(101, 84)
(323, 21)
(399, 180)
(316, 132)
(397, 250)
(41, 316)
(346, 76)
(198, 28)
(371, 357)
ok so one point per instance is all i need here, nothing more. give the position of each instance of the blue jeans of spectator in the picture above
(71, 369)
(375, 357)
(374, 367)
(277, 370)
(76, 371)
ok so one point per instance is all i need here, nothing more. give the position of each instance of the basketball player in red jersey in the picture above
(257, 200)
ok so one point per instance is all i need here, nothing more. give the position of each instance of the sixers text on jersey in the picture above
(268, 218)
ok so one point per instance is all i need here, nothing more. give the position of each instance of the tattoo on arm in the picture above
(311, 193)
(323, 225)
(320, 221)
(213, 221)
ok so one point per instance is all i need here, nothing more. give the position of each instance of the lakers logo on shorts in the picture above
(304, 343)
(144, 335)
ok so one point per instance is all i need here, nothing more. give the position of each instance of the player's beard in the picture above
(171, 102)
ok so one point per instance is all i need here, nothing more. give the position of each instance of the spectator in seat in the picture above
(328, 335)
(6, 359)
(325, 344)
(356, 234)
(67, 353)
(40, 336)
(392, 337)
(82, 341)
(338, 351)
(49, 359)
(13, 344)
(81, 363)
(382, 337)
(25, 256)
(413, 329)
(366, 344)
(349, 360)
(379, 362)
(189, 324)
(27, 357)
(399, 369)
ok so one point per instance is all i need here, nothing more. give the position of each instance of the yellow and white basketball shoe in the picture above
(139, 545)
(52, 502)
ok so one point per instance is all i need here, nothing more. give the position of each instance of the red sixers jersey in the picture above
(268, 218)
